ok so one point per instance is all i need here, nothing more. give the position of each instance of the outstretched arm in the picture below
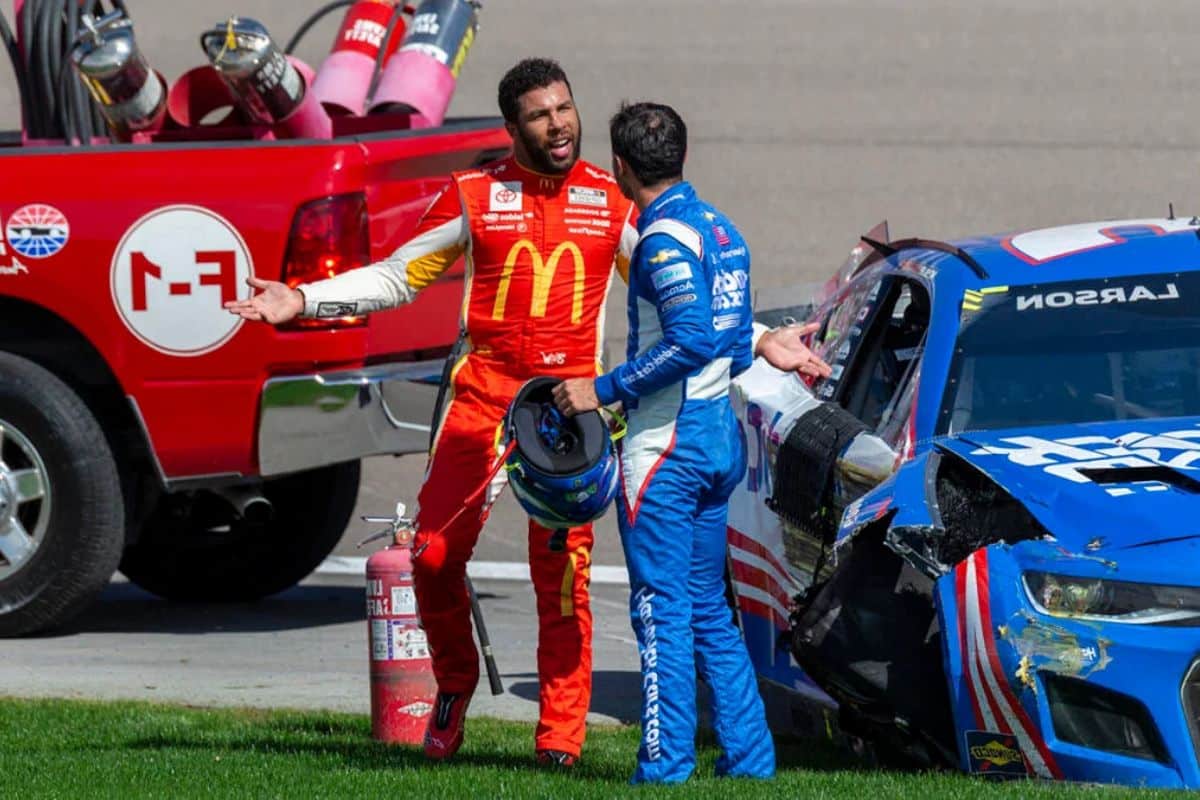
(441, 237)
(275, 304)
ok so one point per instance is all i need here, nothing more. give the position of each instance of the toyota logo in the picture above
(505, 195)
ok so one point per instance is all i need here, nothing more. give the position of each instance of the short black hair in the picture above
(528, 74)
(652, 139)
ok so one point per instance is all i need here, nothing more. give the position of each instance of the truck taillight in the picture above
(329, 236)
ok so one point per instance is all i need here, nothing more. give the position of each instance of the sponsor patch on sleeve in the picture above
(663, 256)
(328, 310)
(679, 300)
(672, 273)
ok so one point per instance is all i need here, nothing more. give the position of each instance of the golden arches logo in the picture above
(543, 278)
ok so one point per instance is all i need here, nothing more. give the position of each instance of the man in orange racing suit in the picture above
(541, 232)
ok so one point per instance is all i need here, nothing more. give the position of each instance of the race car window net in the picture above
(843, 330)
(881, 367)
(1074, 352)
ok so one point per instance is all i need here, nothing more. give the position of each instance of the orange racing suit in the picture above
(539, 251)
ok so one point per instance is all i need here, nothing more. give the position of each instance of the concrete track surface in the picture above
(810, 121)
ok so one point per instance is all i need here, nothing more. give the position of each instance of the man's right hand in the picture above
(784, 349)
(276, 303)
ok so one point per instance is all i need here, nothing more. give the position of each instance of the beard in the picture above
(540, 159)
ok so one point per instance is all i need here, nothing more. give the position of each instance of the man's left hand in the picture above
(576, 395)
(784, 349)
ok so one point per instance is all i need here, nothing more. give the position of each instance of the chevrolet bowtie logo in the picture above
(663, 256)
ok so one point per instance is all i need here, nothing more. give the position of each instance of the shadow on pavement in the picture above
(124, 608)
(615, 693)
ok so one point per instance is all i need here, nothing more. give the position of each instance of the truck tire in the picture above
(195, 547)
(62, 517)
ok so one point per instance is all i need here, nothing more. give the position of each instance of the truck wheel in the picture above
(195, 546)
(62, 517)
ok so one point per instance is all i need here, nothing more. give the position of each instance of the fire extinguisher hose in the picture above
(54, 104)
(385, 46)
(474, 497)
(312, 20)
(14, 55)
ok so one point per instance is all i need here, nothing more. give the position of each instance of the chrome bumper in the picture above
(309, 421)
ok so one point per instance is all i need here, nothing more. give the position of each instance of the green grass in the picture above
(76, 749)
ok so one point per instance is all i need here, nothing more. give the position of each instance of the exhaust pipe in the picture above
(249, 503)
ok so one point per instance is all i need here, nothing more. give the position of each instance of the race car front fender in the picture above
(1004, 662)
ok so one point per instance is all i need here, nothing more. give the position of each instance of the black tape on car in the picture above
(804, 469)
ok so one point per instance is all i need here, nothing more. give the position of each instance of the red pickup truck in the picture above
(141, 425)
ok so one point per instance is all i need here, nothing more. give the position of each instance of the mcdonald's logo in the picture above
(543, 279)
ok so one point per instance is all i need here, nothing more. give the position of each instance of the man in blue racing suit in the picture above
(690, 330)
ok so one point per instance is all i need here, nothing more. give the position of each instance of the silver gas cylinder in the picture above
(267, 87)
(131, 96)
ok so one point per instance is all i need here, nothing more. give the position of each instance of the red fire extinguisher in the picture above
(403, 688)
(345, 76)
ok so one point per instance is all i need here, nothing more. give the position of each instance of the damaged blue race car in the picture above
(977, 543)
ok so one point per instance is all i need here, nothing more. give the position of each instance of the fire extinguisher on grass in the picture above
(403, 688)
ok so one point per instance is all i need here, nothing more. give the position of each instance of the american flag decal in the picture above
(722, 236)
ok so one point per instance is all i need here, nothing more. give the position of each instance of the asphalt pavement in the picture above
(305, 648)
(809, 121)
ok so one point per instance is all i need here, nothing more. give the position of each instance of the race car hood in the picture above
(1112, 484)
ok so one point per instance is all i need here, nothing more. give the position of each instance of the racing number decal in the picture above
(143, 269)
(543, 279)
(1036, 247)
(170, 275)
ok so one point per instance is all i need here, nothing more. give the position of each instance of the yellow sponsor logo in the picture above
(543, 278)
(461, 55)
(997, 753)
(663, 256)
(973, 300)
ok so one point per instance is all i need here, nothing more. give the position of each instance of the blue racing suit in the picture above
(689, 332)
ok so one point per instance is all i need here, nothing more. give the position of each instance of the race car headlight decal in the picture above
(1112, 601)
